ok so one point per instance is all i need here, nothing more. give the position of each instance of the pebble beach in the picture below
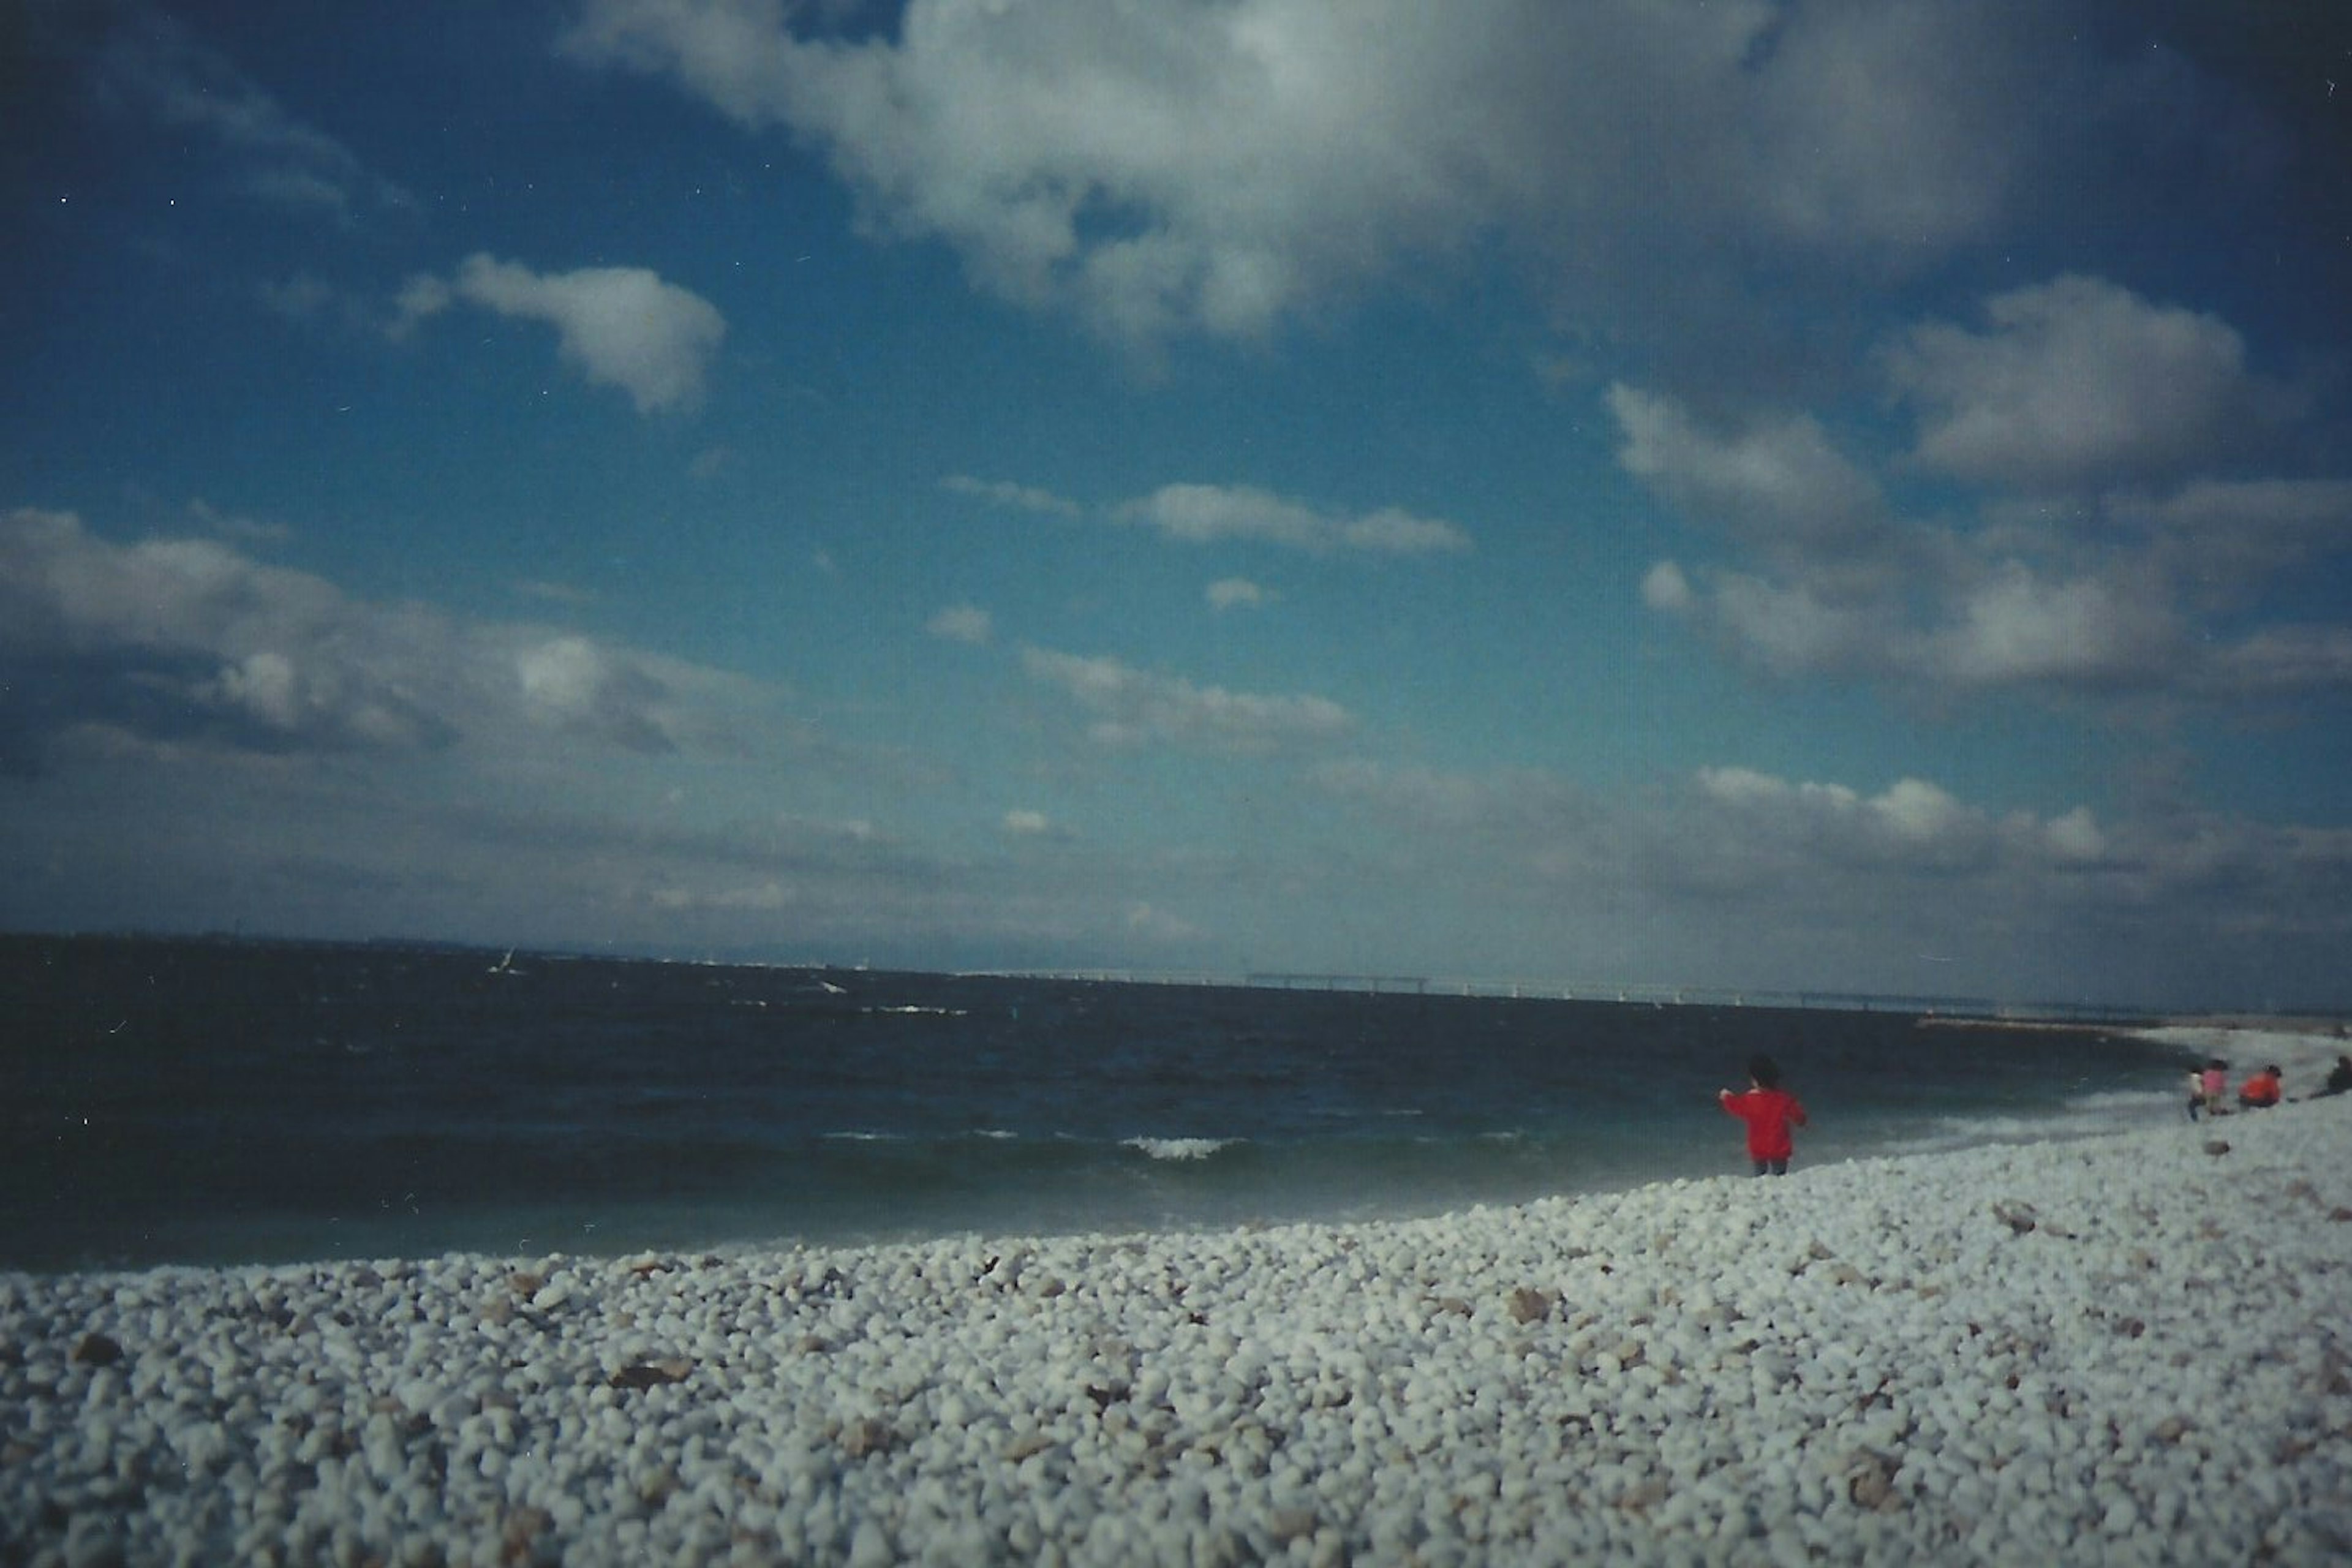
(2133, 1348)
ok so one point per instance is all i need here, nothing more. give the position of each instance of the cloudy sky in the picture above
(1825, 494)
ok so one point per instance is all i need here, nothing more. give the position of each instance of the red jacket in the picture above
(1769, 1113)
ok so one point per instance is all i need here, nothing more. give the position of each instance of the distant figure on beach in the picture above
(2262, 1090)
(2216, 1079)
(2339, 1077)
(1769, 1111)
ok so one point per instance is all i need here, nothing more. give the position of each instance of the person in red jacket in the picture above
(1769, 1111)
(2260, 1092)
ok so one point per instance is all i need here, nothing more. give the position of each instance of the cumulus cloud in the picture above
(2153, 583)
(1206, 514)
(1133, 706)
(1912, 823)
(2073, 381)
(618, 326)
(1780, 477)
(2224, 537)
(190, 645)
(2018, 626)
(1222, 167)
(1237, 593)
(1762, 880)
(1021, 823)
(2071, 878)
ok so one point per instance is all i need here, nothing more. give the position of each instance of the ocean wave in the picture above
(1181, 1148)
(2112, 1111)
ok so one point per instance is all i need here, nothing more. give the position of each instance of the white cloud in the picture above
(1237, 593)
(155, 65)
(2223, 536)
(2153, 586)
(1206, 514)
(1021, 823)
(1800, 628)
(1665, 589)
(1755, 879)
(191, 644)
(1221, 167)
(963, 623)
(1914, 823)
(1133, 706)
(1159, 927)
(2078, 381)
(2075, 835)
(618, 326)
(1018, 498)
(2283, 660)
(755, 897)
(1779, 478)
(2018, 627)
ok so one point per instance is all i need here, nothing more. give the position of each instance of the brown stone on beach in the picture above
(96, 1350)
(517, 1539)
(1871, 1483)
(652, 1374)
(2019, 1218)
(860, 1438)
(1532, 1306)
(1289, 1525)
(2217, 1146)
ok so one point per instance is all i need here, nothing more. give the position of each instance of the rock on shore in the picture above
(2135, 1349)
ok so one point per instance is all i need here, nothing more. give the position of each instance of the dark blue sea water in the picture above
(219, 1101)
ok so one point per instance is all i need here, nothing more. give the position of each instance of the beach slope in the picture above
(2135, 1348)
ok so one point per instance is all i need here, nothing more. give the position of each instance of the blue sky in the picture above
(1775, 495)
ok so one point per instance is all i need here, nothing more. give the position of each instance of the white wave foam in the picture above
(1181, 1148)
(2079, 1116)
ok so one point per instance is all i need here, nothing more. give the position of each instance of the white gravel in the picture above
(2130, 1349)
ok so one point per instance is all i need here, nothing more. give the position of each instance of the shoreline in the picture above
(2123, 1348)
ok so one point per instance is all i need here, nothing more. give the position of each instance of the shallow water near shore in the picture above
(219, 1102)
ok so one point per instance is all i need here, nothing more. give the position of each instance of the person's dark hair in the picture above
(1764, 1070)
(2273, 1070)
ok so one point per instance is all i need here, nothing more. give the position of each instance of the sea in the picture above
(220, 1101)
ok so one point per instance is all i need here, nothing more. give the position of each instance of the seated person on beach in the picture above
(1769, 1111)
(2260, 1090)
(2339, 1077)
